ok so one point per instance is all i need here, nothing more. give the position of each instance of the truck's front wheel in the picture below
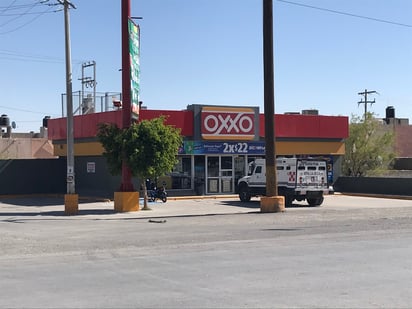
(244, 194)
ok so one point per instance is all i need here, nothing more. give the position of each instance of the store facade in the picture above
(219, 142)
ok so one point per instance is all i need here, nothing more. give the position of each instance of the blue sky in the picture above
(210, 52)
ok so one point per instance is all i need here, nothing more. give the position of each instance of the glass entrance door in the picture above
(226, 174)
(212, 174)
(220, 174)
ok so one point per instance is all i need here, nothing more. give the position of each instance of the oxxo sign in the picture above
(227, 123)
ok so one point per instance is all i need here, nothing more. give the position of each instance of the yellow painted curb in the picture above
(272, 204)
(71, 204)
(126, 201)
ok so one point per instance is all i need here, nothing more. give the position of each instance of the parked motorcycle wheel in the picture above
(164, 198)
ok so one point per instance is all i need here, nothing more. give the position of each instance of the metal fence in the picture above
(89, 102)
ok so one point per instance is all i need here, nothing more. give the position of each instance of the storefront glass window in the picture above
(226, 163)
(180, 178)
(213, 166)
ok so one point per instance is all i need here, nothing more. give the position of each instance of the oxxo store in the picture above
(219, 142)
(225, 139)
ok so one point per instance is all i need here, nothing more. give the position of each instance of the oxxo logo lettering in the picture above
(228, 123)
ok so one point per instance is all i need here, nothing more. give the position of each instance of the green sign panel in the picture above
(134, 52)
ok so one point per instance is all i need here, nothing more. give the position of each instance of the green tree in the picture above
(149, 148)
(369, 147)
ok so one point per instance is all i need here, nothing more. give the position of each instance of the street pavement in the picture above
(352, 252)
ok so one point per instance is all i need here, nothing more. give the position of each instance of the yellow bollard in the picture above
(126, 201)
(272, 204)
(71, 204)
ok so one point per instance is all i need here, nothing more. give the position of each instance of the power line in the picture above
(9, 6)
(26, 9)
(10, 55)
(25, 110)
(29, 13)
(25, 57)
(13, 6)
(346, 13)
(17, 16)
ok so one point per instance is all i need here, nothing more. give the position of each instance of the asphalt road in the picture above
(352, 252)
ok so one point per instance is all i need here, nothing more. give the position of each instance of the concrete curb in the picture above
(388, 196)
(201, 197)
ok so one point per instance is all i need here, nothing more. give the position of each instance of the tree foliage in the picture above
(149, 147)
(369, 147)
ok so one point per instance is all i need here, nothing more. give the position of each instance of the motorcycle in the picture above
(158, 193)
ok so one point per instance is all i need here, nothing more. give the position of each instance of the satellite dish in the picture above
(13, 124)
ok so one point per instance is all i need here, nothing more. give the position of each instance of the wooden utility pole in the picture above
(271, 202)
(365, 100)
(269, 99)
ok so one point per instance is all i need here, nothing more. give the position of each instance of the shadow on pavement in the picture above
(255, 204)
(40, 201)
(55, 213)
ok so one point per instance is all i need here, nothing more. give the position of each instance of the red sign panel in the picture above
(227, 123)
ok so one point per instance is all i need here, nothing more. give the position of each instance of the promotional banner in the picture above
(134, 53)
(197, 147)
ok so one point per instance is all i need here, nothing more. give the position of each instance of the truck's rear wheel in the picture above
(244, 194)
(315, 201)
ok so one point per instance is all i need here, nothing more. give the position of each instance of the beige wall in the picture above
(25, 148)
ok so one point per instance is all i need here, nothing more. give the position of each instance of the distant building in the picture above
(23, 145)
(403, 141)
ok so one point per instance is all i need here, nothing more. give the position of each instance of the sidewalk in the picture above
(176, 206)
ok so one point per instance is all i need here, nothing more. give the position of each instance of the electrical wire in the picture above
(13, 6)
(27, 111)
(8, 7)
(346, 13)
(25, 57)
(18, 15)
(12, 55)
(27, 11)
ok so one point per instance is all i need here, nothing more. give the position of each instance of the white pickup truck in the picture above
(298, 179)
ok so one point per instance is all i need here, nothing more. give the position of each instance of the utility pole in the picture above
(271, 202)
(365, 100)
(269, 100)
(88, 82)
(71, 199)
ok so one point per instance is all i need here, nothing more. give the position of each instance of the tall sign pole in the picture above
(126, 185)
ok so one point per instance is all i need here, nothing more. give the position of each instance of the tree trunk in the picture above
(145, 197)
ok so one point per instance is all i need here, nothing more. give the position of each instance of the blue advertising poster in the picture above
(195, 147)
